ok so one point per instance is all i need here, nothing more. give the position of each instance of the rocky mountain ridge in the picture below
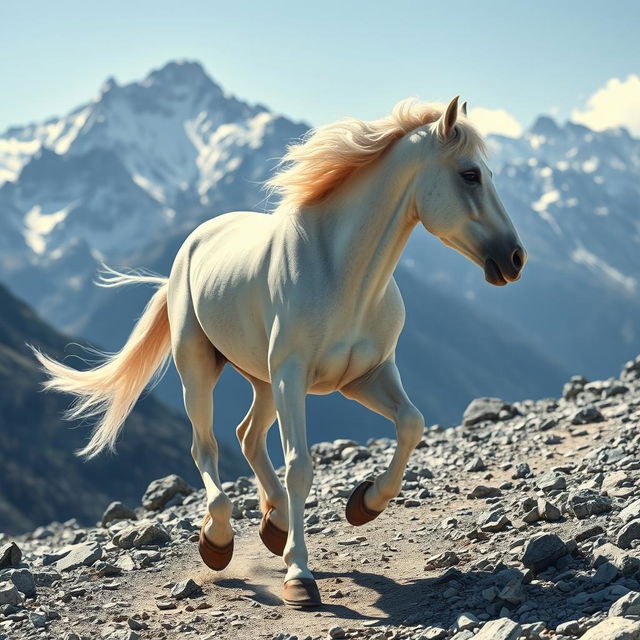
(522, 523)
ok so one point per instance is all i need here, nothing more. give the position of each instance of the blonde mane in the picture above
(325, 157)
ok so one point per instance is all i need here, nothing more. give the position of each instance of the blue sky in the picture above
(319, 61)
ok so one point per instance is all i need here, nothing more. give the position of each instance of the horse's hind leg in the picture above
(200, 366)
(252, 433)
(382, 392)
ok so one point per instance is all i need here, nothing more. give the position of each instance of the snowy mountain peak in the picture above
(183, 72)
(545, 126)
(129, 160)
(108, 85)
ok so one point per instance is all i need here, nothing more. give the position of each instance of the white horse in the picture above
(304, 301)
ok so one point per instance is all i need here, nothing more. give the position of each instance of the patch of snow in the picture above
(585, 257)
(37, 225)
(547, 198)
(154, 190)
(548, 218)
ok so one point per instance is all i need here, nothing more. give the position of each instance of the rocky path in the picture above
(523, 522)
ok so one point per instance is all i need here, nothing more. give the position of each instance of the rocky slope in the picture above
(41, 479)
(521, 523)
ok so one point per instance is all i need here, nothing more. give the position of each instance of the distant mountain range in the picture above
(125, 177)
(574, 195)
(40, 477)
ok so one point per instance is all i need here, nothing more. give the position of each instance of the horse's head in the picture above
(456, 199)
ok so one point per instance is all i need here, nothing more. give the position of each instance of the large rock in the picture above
(542, 551)
(588, 502)
(628, 605)
(613, 629)
(622, 560)
(9, 594)
(38, 619)
(23, 581)
(551, 482)
(493, 521)
(442, 561)
(117, 511)
(80, 555)
(482, 491)
(501, 629)
(160, 491)
(482, 409)
(587, 415)
(631, 370)
(630, 512)
(143, 534)
(513, 592)
(618, 484)
(186, 589)
(628, 534)
(10, 556)
(572, 389)
(548, 511)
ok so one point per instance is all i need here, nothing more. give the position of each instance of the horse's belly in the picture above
(343, 363)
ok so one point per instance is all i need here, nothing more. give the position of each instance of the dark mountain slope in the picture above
(40, 477)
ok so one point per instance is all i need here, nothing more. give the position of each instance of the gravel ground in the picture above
(521, 523)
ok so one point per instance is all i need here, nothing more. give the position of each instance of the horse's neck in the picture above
(362, 228)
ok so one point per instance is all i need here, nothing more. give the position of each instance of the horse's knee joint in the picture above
(410, 424)
(298, 470)
(201, 452)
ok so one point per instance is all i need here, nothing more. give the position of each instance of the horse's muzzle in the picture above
(505, 266)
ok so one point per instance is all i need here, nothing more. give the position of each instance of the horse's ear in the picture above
(447, 120)
(463, 108)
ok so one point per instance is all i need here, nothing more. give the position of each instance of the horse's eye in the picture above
(471, 176)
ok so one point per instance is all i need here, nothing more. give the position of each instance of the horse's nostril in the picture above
(517, 259)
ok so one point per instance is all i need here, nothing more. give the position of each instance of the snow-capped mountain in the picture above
(123, 179)
(136, 161)
(136, 164)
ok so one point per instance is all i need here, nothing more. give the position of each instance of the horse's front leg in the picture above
(381, 391)
(289, 384)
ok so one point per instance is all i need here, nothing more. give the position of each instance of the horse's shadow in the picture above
(424, 600)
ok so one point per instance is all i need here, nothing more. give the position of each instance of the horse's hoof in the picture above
(301, 593)
(215, 557)
(356, 511)
(274, 538)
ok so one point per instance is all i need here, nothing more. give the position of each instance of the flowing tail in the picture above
(111, 389)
